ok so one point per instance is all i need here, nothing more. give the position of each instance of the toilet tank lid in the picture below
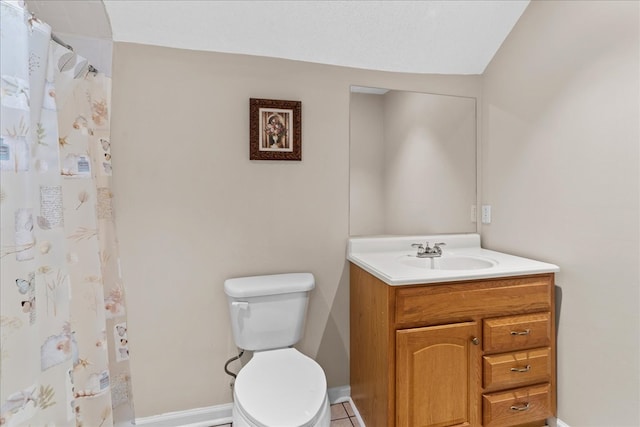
(254, 286)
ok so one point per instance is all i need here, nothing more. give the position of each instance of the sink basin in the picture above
(393, 260)
(453, 262)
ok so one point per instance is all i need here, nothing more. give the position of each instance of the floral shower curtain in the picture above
(63, 335)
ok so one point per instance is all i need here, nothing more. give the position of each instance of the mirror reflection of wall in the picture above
(412, 163)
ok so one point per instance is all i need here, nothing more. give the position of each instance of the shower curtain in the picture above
(63, 335)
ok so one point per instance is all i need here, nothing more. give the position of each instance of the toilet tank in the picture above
(268, 312)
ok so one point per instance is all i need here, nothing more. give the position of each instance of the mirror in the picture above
(412, 163)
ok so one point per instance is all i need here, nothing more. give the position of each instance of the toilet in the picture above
(279, 386)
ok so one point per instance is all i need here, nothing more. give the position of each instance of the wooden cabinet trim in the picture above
(448, 394)
(463, 301)
(534, 403)
(372, 348)
(509, 333)
(516, 369)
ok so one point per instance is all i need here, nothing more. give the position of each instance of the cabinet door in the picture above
(438, 376)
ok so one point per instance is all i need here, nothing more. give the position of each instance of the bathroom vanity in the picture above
(467, 340)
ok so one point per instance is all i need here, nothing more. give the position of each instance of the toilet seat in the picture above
(282, 388)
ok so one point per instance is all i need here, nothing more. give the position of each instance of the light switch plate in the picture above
(486, 214)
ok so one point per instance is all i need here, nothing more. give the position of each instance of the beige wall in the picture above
(561, 170)
(192, 210)
(366, 165)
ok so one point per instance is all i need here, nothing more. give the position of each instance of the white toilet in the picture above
(279, 387)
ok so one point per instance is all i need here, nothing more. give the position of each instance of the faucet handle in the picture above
(420, 247)
(437, 247)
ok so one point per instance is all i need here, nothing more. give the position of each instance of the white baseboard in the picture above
(556, 422)
(339, 394)
(218, 414)
(197, 417)
(356, 412)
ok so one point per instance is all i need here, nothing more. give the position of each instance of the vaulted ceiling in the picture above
(428, 36)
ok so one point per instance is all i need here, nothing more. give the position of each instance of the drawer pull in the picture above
(525, 332)
(524, 407)
(525, 369)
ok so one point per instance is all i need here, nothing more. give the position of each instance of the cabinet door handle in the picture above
(525, 369)
(524, 407)
(475, 341)
(525, 332)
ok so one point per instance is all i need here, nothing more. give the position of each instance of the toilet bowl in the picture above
(279, 386)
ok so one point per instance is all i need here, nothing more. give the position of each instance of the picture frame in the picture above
(275, 129)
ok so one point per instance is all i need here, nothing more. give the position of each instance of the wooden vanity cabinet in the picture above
(469, 353)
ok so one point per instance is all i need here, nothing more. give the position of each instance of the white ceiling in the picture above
(80, 17)
(426, 36)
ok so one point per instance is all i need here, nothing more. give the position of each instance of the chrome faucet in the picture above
(428, 252)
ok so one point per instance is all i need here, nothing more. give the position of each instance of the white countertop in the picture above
(383, 256)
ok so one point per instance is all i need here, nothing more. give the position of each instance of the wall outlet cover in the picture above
(486, 214)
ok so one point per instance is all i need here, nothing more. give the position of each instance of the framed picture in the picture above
(275, 129)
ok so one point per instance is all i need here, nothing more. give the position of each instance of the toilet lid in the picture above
(280, 388)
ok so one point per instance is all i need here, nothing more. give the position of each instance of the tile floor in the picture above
(342, 415)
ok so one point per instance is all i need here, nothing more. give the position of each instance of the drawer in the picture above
(516, 332)
(515, 407)
(516, 369)
(461, 301)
